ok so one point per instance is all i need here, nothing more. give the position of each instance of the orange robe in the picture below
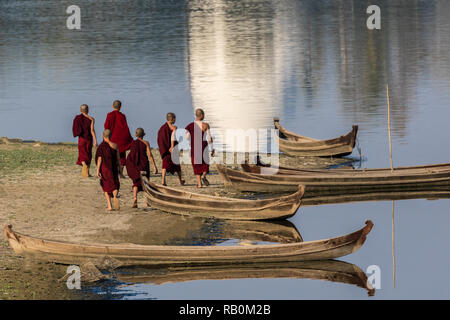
(116, 121)
(82, 129)
(109, 168)
(164, 143)
(199, 159)
(137, 161)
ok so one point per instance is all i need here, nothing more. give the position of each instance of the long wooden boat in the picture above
(325, 270)
(154, 255)
(429, 193)
(336, 181)
(193, 204)
(296, 145)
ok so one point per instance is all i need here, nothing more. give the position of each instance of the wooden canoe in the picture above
(296, 145)
(336, 181)
(326, 270)
(193, 204)
(154, 255)
(431, 193)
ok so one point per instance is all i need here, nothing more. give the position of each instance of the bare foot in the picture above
(109, 209)
(84, 171)
(134, 203)
(116, 204)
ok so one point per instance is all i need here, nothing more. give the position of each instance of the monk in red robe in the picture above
(166, 145)
(197, 131)
(138, 161)
(108, 169)
(83, 128)
(116, 121)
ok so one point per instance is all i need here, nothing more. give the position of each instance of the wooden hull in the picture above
(297, 145)
(326, 270)
(192, 204)
(151, 255)
(337, 182)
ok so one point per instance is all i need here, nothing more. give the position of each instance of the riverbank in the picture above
(43, 194)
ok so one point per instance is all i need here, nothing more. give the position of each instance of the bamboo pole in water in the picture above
(389, 126)
(392, 169)
(393, 247)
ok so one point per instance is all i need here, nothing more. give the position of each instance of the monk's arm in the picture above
(208, 136)
(210, 140)
(99, 163)
(93, 132)
(150, 155)
(172, 139)
(118, 162)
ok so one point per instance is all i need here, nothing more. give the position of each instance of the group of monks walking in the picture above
(111, 156)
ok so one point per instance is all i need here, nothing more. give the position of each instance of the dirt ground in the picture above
(43, 194)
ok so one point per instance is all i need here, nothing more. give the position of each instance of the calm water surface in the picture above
(312, 63)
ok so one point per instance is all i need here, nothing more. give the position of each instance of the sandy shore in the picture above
(43, 194)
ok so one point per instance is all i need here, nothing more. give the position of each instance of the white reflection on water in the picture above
(231, 68)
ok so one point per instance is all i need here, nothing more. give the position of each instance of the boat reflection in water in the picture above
(156, 228)
(195, 231)
(430, 194)
(327, 270)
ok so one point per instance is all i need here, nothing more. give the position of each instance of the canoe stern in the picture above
(364, 232)
(13, 239)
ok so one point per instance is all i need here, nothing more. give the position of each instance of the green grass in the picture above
(16, 158)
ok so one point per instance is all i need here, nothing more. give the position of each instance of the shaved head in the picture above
(140, 133)
(200, 114)
(84, 108)
(107, 134)
(171, 116)
(117, 104)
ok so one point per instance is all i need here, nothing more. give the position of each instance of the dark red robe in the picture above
(164, 143)
(82, 129)
(109, 167)
(199, 158)
(116, 121)
(137, 161)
